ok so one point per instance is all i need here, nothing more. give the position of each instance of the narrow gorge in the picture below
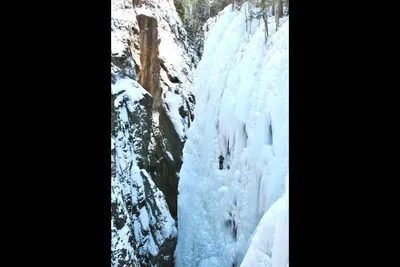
(176, 104)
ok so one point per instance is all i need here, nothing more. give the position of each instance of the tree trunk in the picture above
(281, 8)
(287, 8)
(265, 18)
(273, 8)
(277, 17)
(247, 18)
(251, 20)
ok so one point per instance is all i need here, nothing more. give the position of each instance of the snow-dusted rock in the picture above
(152, 107)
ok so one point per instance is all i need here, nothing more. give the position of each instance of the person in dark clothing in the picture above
(221, 161)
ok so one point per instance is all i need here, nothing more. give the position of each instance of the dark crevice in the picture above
(270, 141)
(245, 134)
(191, 99)
(173, 79)
(182, 112)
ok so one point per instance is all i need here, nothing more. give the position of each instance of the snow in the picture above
(131, 88)
(122, 18)
(241, 90)
(170, 156)
(212, 20)
(171, 55)
(174, 102)
(271, 237)
(144, 218)
(117, 46)
(144, 11)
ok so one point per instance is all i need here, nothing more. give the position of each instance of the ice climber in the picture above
(221, 161)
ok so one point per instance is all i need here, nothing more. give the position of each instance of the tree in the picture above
(181, 9)
(263, 13)
(281, 8)
(273, 8)
(287, 7)
(194, 14)
(201, 10)
(199, 42)
(217, 5)
(278, 13)
(251, 17)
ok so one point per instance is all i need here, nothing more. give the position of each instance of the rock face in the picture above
(151, 107)
(143, 231)
(149, 74)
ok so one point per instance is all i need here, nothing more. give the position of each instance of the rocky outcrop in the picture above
(157, 75)
(149, 74)
(151, 109)
(166, 171)
(143, 231)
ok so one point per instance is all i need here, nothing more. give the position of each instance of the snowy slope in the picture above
(242, 111)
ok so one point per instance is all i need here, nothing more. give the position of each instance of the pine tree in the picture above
(181, 9)
(218, 5)
(200, 42)
(194, 14)
(200, 10)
